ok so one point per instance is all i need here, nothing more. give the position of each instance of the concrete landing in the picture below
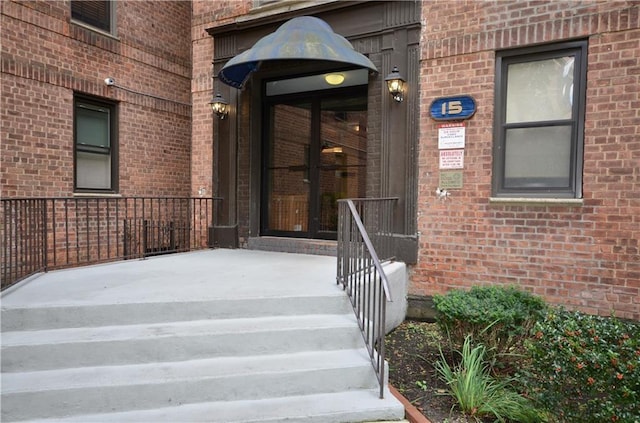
(200, 275)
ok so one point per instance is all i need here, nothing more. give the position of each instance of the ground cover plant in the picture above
(586, 368)
(571, 367)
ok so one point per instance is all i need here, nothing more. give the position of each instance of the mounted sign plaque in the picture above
(450, 135)
(450, 180)
(451, 159)
(453, 108)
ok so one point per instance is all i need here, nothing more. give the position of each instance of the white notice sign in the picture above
(450, 135)
(451, 159)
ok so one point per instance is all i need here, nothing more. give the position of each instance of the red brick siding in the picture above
(37, 122)
(220, 12)
(201, 93)
(154, 154)
(583, 256)
(46, 58)
(206, 14)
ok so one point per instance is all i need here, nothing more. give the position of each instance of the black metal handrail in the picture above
(360, 269)
(39, 234)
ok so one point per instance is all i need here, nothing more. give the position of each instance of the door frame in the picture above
(315, 97)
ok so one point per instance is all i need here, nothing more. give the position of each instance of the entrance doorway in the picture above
(314, 152)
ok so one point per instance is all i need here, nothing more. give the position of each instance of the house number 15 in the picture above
(452, 107)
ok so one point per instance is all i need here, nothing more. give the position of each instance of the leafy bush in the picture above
(495, 316)
(477, 393)
(585, 368)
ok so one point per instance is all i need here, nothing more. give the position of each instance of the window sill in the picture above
(95, 29)
(541, 202)
(96, 195)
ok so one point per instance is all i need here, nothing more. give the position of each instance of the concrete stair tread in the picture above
(72, 303)
(157, 373)
(259, 341)
(169, 329)
(51, 316)
(350, 406)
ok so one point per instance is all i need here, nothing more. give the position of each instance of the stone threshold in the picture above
(293, 245)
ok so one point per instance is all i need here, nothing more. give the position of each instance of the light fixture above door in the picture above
(334, 78)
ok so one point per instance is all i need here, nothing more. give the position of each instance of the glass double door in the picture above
(315, 151)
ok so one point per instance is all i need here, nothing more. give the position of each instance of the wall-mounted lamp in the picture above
(220, 106)
(395, 83)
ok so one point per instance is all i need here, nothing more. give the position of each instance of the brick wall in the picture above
(584, 256)
(37, 146)
(46, 58)
(206, 14)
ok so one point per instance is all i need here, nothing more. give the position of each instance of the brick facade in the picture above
(584, 255)
(47, 57)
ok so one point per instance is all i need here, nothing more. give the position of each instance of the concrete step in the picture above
(339, 407)
(60, 393)
(243, 337)
(132, 344)
(43, 316)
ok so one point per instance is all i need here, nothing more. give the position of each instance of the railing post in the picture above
(145, 231)
(45, 246)
(172, 236)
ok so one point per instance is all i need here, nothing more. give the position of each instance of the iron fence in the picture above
(365, 240)
(51, 233)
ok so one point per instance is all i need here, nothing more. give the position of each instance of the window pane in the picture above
(343, 155)
(93, 170)
(92, 126)
(288, 171)
(540, 91)
(538, 157)
(94, 13)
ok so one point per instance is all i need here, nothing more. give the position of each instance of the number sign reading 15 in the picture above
(453, 108)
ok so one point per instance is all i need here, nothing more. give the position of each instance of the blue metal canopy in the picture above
(305, 37)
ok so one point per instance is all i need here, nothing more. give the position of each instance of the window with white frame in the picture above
(98, 14)
(539, 121)
(95, 145)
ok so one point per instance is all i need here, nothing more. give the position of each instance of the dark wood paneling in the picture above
(387, 32)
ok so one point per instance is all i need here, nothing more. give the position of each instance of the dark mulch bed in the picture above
(412, 350)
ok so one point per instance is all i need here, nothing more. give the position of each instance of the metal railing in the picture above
(51, 233)
(365, 240)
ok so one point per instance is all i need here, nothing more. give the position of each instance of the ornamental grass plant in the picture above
(478, 393)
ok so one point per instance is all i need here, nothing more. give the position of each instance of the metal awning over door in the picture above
(306, 38)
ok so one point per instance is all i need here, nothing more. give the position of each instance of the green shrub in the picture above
(585, 368)
(480, 395)
(495, 316)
